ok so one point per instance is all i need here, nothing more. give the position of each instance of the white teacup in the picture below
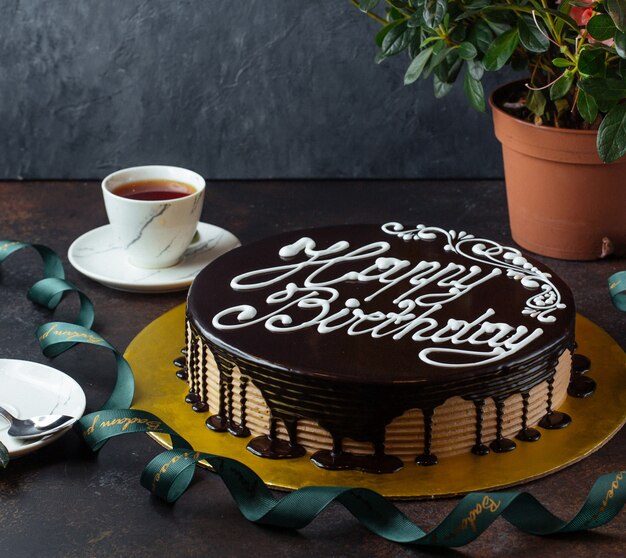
(156, 232)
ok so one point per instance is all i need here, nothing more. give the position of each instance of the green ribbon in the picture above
(50, 290)
(169, 474)
(56, 337)
(617, 290)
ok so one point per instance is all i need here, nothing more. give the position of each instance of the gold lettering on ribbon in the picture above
(125, 422)
(89, 431)
(611, 491)
(70, 335)
(487, 504)
(166, 466)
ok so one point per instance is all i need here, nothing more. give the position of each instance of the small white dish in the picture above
(28, 389)
(98, 255)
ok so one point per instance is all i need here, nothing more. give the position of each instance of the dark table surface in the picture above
(65, 501)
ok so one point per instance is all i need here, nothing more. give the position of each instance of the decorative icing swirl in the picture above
(539, 306)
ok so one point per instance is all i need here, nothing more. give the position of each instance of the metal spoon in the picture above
(36, 427)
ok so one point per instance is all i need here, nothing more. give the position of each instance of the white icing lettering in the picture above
(426, 287)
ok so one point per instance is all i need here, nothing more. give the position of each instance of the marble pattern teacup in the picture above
(154, 233)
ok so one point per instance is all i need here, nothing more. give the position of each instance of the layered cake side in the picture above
(376, 347)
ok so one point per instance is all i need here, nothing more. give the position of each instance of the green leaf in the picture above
(477, 5)
(533, 39)
(474, 92)
(617, 11)
(536, 102)
(476, 69)
(467, 51)
(481, 36)
(604, 89)
(591, 61)
(434, 12)
(397, 39)
(415, 69)
(587, 106)
(449, 68)
(561, 86)
(441, 88)
(612, 134)
(380, 36)
(501, 50)
(601, 27)
(440, 52)
(394, 15)
(416, 19)
(458, 34)
(498, 27)
(367, 5)
(562, 62)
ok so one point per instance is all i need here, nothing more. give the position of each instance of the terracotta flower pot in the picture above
(564, 202)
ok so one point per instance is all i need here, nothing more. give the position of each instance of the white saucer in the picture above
(29, 389)
(98, 255)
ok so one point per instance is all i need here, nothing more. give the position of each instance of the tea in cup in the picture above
(154, 212)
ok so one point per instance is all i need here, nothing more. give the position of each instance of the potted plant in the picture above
(563, 129)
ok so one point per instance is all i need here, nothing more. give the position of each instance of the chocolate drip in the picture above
(427, 458)
(243, 390)
(183, 372)
(274, 448)
(192, 371)
(527, 434)
(229, 397)
(185, 349)
(192, 398)
(195, 397)
(501, 444)
(181, 363)
(219, 421)
(224, 420)
(292, 431)
(216, 423)
(581, 386)
(377, 463)
(239, 430)
(200, 406)
(270, 446)
(553, 420)
(580, 364)
(339, 460)
(479, 448)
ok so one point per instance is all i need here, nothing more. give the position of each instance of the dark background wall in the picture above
(232, 89)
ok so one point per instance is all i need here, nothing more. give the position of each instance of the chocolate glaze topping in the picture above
(291, 331)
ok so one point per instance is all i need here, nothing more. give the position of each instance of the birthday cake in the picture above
(374, 348)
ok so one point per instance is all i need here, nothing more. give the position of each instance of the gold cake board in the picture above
(595, 420)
